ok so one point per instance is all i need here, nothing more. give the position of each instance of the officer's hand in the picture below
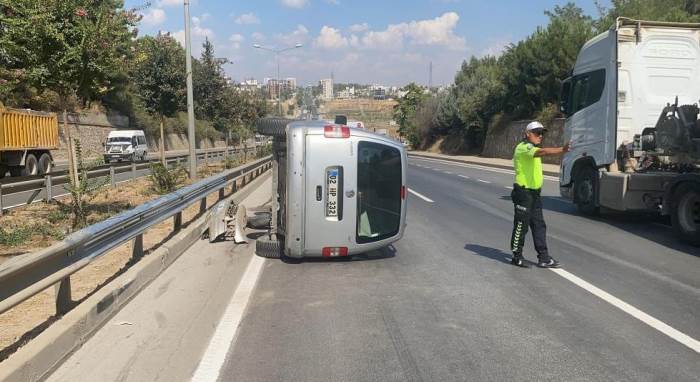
(567, 147)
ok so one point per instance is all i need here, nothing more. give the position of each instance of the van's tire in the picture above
(276, 127)
(44, 164)
(261, 220)
(31, 165)
(685, 213)
(586, 191)
(269, 249)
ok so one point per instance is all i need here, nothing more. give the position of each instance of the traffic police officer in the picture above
(526, 196)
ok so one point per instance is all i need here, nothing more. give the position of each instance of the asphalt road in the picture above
(443, 304)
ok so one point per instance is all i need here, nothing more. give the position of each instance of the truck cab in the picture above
(618, 108)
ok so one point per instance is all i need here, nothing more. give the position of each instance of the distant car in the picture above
(125, 145)
(340, 190)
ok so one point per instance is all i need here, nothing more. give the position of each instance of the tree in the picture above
(209, 87)
(405, 110)
(658, 10)
(159, 73)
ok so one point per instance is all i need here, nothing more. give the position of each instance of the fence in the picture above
(32, 273)
(46, 188)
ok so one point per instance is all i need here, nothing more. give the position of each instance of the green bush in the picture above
(231, 162)
(164, 180)
(17, 235)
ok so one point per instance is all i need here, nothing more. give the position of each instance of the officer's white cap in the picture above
(534, 125)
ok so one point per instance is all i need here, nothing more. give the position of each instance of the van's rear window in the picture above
(379, 192)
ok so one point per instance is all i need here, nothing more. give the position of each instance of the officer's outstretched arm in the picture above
(553, 150)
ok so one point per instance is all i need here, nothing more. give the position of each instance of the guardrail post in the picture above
(0, 199)
(64, 302)
(137, 251)
(221, 193)
(112, 181)
(203, 205)
(49, 188)
(133, 170)
(177, 221)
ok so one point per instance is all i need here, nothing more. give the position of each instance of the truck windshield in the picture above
(119, 140)
(379, 192)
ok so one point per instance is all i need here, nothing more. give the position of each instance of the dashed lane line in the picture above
(425, 198)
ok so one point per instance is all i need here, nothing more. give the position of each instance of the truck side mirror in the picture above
(564, 96)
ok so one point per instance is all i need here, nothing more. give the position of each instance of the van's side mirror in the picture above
(564, 97)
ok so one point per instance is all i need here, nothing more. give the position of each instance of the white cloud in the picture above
(356, 28)
(330, 38)
(247, 19)
(169, 3)
(297, 36)
(437, 31)
(198, 33)
(295, 3)
(496, 48)
(334, 2)
(153, 17)
(236, 40)
(257, 36)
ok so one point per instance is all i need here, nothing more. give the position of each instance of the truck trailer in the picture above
(26, 140)
(631, 108)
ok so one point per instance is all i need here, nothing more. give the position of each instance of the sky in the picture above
(387, 42)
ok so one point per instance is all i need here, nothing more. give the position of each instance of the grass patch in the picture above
(17, 235)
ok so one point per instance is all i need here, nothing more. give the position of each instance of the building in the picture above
(250, 84)
(276, 87)
(326, 88)
(347, 93)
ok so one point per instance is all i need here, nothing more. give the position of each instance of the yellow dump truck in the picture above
(26, 138)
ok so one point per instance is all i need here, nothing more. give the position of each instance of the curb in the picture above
(48, 350)
(548, 173)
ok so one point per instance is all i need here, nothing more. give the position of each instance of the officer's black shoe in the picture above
(518, 261)
(551, 263)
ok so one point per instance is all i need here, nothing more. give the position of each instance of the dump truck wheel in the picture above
(31, 165)
(44, 164)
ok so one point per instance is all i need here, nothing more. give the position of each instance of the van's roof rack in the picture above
(625, 21)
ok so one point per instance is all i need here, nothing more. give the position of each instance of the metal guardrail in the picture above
(45, 185)
(27, 276)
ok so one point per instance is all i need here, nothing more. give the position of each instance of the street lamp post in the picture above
(277, 59)
(190, 97)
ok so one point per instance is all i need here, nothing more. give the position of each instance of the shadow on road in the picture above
(380, 254)
(488, 252)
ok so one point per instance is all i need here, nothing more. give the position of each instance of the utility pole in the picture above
(190, 96)
(430, 77)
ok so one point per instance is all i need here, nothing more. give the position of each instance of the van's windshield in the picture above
(118, 140)
(379, 192)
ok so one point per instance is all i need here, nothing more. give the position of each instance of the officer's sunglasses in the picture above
(539, 133)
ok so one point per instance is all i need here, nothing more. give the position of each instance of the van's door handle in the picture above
(319, 193)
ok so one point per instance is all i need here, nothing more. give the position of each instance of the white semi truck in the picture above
(631, 109)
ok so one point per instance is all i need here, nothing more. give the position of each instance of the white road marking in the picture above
(480, 167)
(483, 181)
(509, 187)
(421, 196)
(225, 335)
(447, 172)
(631, 310)
(464, 176)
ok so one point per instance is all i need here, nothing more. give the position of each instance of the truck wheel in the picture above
(685, 215)
(44, 164)
(31, 165)
(276, 127)
(586, 191)
(269, 249)
(3, 170)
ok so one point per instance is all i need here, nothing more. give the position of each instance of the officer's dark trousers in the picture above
(528, 214)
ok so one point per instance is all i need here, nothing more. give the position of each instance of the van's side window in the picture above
(586, 89)
(142, 140)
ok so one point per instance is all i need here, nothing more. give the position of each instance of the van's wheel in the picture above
(685, 214)
(44, 164)
(586, 191)
(267, 248)
(276, 127)
(31, 165)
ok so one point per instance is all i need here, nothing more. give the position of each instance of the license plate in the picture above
(332, 188)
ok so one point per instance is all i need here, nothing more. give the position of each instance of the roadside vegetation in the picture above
(74, 55)
(523, 82)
